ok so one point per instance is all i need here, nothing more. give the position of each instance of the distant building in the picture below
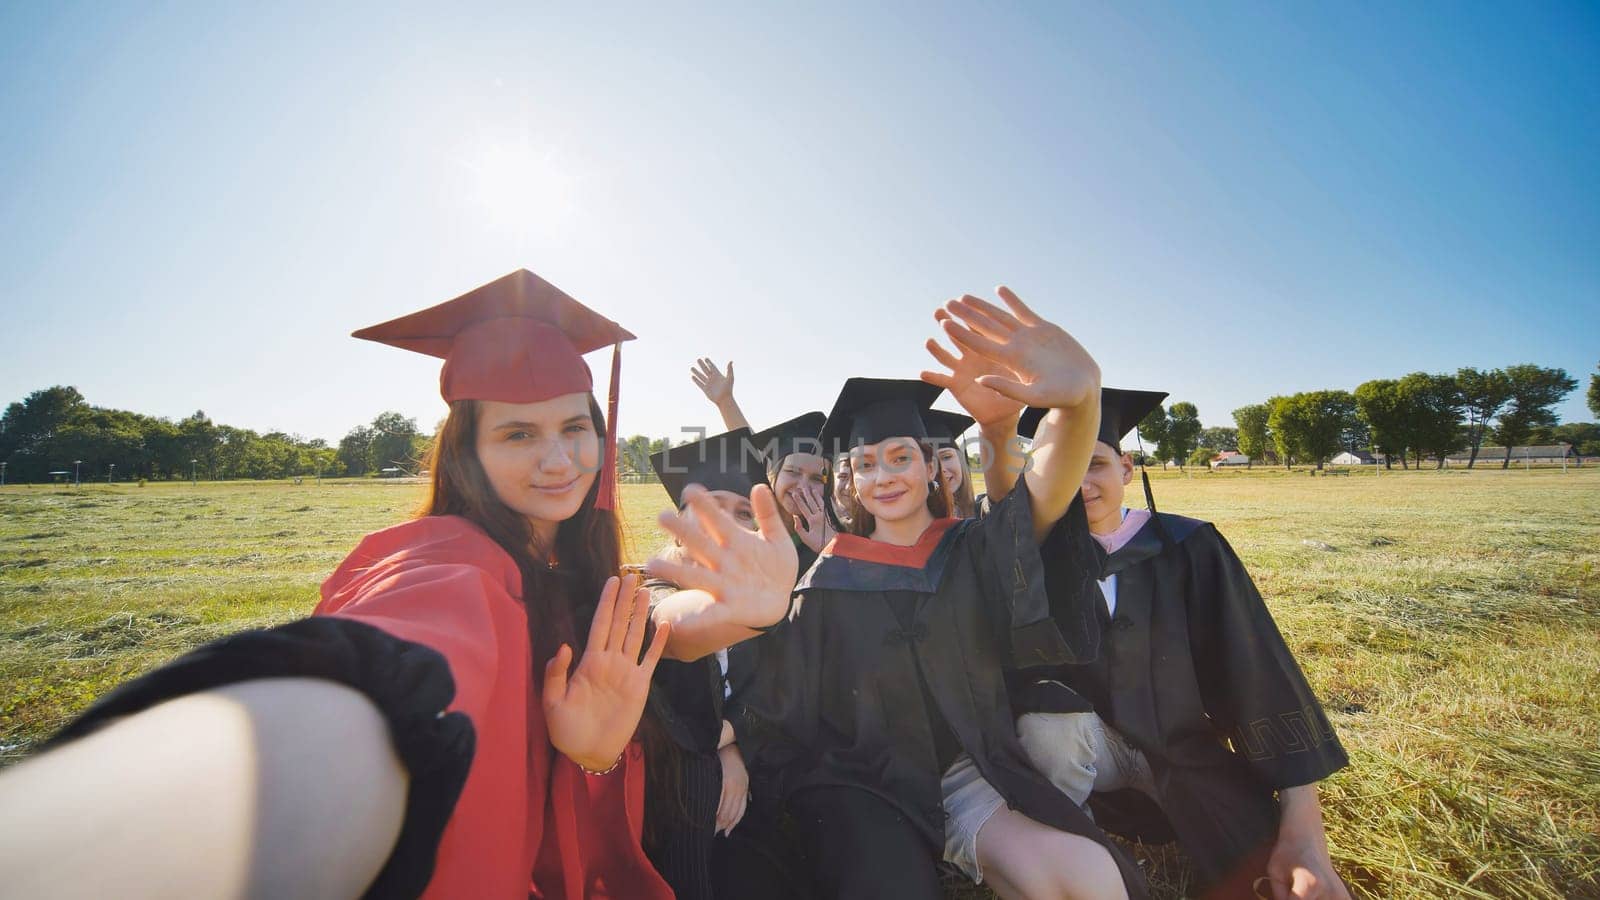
(1228, 459)
(1354, 458)
(1536, 455)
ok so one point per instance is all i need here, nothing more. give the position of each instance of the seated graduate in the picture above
(1194, 722)
(425, 731)
(698, 787)
(882, 704)
(797, 472)
(795, 469)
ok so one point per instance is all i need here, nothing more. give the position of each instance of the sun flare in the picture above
(519, 186)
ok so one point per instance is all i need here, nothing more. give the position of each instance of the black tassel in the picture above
(1149, 496)
(1144, 476)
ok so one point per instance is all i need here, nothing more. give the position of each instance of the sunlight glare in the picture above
(519, 188)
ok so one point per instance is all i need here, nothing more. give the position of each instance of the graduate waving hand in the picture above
(1014, 355)
(736, 584)
(594, 711)
(1001, 458)
(811, 519)
(718, 388)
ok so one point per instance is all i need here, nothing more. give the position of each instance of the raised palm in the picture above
(984, 404)
(811, 518)
(593, 713)
(1043, 365)
(749, 573)
(711, 381)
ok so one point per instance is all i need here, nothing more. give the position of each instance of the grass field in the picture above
(1449, 620)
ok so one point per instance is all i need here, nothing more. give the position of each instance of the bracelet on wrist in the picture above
(606, 771)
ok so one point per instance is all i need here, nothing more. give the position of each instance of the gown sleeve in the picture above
(1252, 687)
(1014, 573)
(685, 697)
(421, 619)
(1073, 562)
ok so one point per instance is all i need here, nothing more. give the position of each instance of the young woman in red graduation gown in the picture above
(426, 731)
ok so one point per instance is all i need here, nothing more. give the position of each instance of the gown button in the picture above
(1122, 623)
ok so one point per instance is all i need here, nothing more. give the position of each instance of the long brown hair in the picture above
(862, 522)
(588, 547)
(962, 501)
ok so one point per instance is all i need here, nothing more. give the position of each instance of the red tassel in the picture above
(607, 498)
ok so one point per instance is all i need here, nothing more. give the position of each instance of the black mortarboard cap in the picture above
(798, 435)
(944, 427)
(723, 462)
(869, 410)
(1120, 412)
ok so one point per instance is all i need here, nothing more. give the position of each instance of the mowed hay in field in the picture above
(101, 583)
(1448, 620)
(1451, 633)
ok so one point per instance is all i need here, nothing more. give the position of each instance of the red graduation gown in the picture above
(528, 822)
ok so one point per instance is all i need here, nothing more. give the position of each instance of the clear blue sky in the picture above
(1225, 201)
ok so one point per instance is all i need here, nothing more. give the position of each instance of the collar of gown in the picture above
(1132, 521)
(850, 546)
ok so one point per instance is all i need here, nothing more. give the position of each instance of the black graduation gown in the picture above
(838, 697)
(685, 706)
(1190, 660)
(687, 702)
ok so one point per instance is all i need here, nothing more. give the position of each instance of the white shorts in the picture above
(969, 801)
(1080, 754)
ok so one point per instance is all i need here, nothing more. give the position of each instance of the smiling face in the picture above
(540, 458)
(950, 464)
(891, 478)
(1110, 471)
(796, 471)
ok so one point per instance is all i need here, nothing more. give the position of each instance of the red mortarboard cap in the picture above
(517, 339)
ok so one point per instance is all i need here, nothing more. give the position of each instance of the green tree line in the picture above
(1409, 419)
(57, 430)
(1417, 417)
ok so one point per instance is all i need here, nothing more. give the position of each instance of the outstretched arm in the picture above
(1001, 459)
(718, 388)
(1044, 366)
(281, 787)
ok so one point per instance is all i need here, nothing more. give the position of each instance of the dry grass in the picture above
(1451, 632)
